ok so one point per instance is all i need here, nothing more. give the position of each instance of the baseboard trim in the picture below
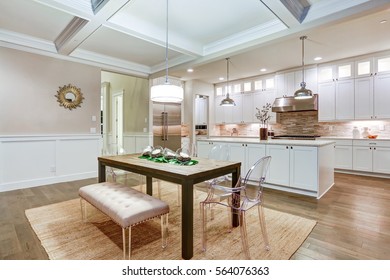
(46, 181)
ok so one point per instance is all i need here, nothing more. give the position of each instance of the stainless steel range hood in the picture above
(291, 104)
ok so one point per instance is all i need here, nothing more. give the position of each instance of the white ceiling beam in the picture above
(282, 12)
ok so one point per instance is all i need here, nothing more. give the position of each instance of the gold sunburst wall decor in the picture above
(69, 96)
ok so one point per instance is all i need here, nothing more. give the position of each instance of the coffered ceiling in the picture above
(129, 36)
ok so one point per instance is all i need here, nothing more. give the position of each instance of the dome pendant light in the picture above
(303, 92)
(166, 92)
(227, 101)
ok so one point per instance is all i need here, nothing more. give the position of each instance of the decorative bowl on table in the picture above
(168, 154)
(147, 151)
(156, 152)
(372, 136)
(183, 155)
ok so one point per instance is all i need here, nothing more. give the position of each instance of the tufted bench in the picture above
(125, 206)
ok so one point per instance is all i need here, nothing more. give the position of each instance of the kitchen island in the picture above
(299, 166)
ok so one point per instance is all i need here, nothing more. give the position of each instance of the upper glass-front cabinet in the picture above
(372, 66)
(265, 83)
(340, 71)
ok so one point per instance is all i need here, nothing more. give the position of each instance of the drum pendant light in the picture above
(227, 101)
(303, 92)
(166, 92)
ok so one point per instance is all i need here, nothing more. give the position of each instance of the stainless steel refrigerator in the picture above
(167, 125)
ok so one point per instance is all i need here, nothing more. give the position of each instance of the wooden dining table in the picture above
(183, 175)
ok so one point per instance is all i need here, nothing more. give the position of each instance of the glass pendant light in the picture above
(166, 92)
(227, 101)
(303, 92)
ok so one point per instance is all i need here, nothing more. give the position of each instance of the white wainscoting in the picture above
(29, 161)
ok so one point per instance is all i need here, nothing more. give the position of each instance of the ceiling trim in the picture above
(69, 32)
(14, 38)
(245, 37)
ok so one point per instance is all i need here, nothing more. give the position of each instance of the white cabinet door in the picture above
(326, 95)
(200, 111)
(237, 152)
(345, 96)
(223, 114)
(279, 170)
(303, 168)
(248, 114)
(362, 158)
(381, 160)
(364, 98)
(254, 152)
(343, 157)
(204, 148)
(382, 96)
(236, 110)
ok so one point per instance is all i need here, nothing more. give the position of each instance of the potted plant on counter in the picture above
(263, 116)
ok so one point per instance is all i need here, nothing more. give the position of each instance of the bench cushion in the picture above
(125, 205)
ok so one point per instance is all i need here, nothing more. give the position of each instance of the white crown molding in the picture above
(245, 37)
(80, 8)
(14, 38)
(172, 63)
(110, 61)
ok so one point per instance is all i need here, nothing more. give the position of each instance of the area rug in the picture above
(65, 236)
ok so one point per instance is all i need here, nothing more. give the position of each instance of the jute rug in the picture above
(64, 236)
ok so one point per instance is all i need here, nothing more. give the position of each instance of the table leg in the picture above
(101, 172)
(235, 218)
(187, 223)
(149, 185)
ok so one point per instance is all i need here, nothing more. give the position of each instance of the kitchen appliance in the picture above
(291, 104)
(295, 137)
(167, 125)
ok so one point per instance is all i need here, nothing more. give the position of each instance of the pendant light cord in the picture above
(227, 76)
(166, 48)
(303, 57)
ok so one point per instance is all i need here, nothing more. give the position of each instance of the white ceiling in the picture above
(130, 36)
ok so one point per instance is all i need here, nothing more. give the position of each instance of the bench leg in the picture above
(83, 207)
(164, 230)
(126, 247)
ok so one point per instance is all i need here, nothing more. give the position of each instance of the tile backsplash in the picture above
(306, 123)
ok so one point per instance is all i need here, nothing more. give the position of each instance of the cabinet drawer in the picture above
(371, 142)
(343, 142)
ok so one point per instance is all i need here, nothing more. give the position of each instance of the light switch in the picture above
(94, 118)
(381, 127)
(92, 129)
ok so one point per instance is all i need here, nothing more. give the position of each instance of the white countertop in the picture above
(351, 138)
(256, 140)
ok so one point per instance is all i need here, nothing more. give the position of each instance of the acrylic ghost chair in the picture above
(249, 197)
(119, 175)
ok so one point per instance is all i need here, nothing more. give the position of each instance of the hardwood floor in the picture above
(353, 218)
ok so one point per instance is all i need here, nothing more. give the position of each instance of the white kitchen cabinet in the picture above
(293, 166)
(338, 71)
(336, 100)
(364, 98)
(303, 168)
(327, 100)
(201, 111)
(223, 114)
(344, 97)
(371, 156)
(372, 97)
(247, 154)
(343, 154)
(279, 170)
(204, 148)
(243, 111)
(289, 82)
(382, 96)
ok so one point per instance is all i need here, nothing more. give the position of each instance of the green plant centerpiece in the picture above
(263, 115)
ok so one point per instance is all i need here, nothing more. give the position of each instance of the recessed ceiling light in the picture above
(263, 69)
(221, 78)
(317, 58)
(190, 70)
(383, 21)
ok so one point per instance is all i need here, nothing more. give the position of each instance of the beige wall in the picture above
(135, 100)
(28, 85)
